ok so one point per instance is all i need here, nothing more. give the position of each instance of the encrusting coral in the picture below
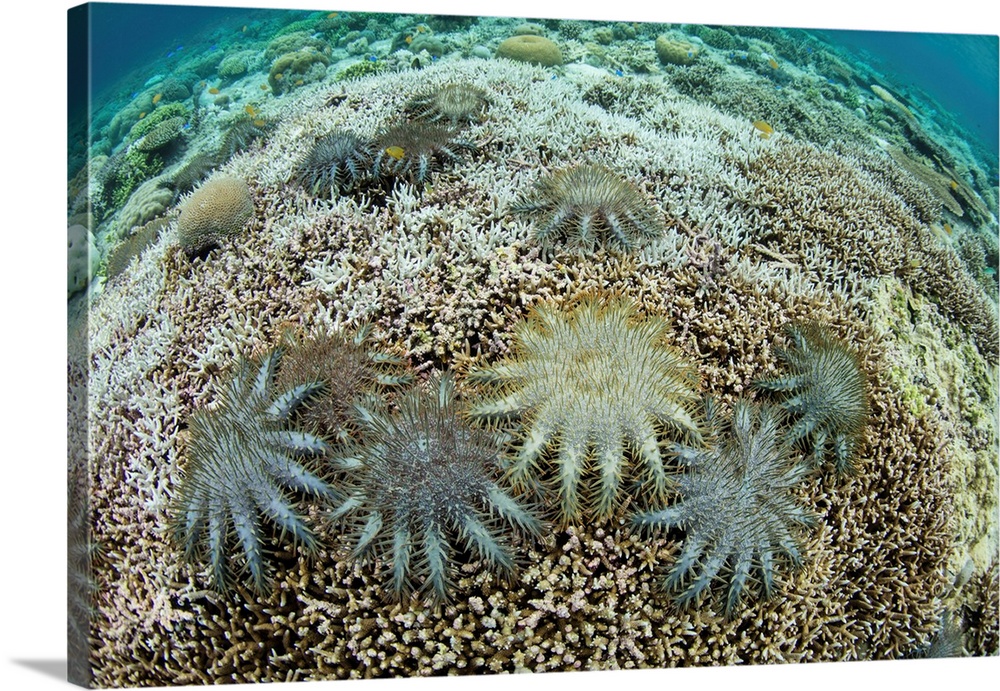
(827, 391)
(595, 387)
(737, 508)
(240, 460)
(590, 205)
(421, 481)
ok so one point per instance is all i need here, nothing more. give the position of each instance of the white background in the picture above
(32, 379)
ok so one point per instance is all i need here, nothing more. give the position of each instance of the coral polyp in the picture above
(595, 388)
(456, 104)
(827, 391)
(336, 163)
(424, 482)
(590, 205)
(241, 462)
(736, 508)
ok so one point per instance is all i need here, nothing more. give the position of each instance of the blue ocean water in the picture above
(959, 71)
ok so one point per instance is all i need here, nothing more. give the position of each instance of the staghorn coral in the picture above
(736, 508)
(346, 366)
(587, 205)
(457, 104)
(828, 393)
(217, 210)
(412, 150)
(599, 386)
(241, 458)
(423, 480)
(336, 163)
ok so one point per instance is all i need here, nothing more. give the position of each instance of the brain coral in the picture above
(215, 211)
(537, 50)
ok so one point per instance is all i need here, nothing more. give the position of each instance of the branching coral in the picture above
(829, 393)
(600, 386)
(736, 510)
(423, 480)
(240, 459)
(588, 205)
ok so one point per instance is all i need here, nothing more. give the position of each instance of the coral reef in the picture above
(747, 469)
(421, 481)
(587, 205)
(240, 459)
(296, 69)
(217, 210)
(162, 135)
(827, 392)
(596, 387)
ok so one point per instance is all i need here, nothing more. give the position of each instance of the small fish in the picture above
(773, 63)
(947, 228)
(395, 151)
(142, 115)
(213, 91)
(179, 48)
(954, 185)
(251, 111)
(186, 126)
(765, 130)
(278, 77)
(299, 82)
(264, 87)
(259, 123)
(434, 58)
(372, 58)
(170, 54)
(244, 29)
(409, 39)
(134, 94)
(690, 53)
(212, 47)
(619, 73)
(156, 98)
(332, 15)
(421, 29)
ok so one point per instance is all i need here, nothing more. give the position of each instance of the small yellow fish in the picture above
(332, 15)
(213, 90)
(142, 115)
(421, 29)
(264, 87)
(947, 228)
(395, 151)
(954, 185)
(278, 77)
(156, 98)
(765, 130)
(299, 82)
(251, 111)
(259, 123)
(773, 63)
(409, 39)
